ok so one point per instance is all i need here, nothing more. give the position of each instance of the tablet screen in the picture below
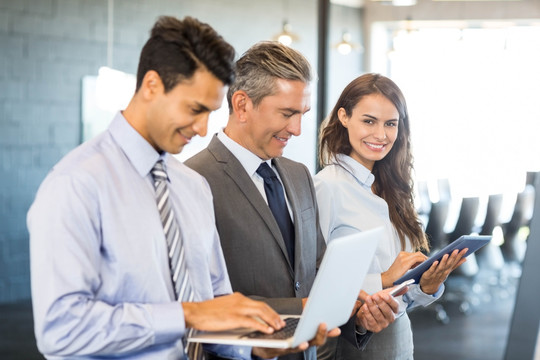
(471, 242)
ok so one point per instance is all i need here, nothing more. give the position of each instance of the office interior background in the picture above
(469, 71)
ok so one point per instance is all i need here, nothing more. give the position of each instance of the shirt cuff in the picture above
(168, 321)
(416, 296)
(360, 330)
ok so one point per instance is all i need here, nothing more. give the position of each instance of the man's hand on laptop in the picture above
(231, 312)
(377, 311)
(318, 340)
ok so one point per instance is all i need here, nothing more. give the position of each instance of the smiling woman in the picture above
(367, 182)
(372, 128)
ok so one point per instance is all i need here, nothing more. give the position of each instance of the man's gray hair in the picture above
(262, 64)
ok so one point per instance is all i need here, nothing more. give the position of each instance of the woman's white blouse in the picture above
(347, 205)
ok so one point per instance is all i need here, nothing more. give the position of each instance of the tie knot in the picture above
(158, 171)
(266, 171)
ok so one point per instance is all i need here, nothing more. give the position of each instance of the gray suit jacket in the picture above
(252, 244)
(254, 249)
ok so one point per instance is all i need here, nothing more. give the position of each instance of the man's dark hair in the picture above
(177, 48)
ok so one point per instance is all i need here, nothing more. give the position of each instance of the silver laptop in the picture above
(331, 299)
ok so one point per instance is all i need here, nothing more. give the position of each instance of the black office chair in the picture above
(490, 256)
(490, 259)
(437, 240)
(492, 214)
(516, 230)
(444, 188)
(435, 225)
(467, 218)
(531, 177)
(422, 201)
(461, 286)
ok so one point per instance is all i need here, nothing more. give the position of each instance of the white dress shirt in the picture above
(348, 205)
(251, 163)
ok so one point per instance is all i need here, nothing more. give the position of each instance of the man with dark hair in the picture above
(125, 256)
(265, 205)
(176, 49)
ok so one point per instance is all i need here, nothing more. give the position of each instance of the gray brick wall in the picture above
(47, 46)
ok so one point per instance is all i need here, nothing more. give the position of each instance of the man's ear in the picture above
(151, 85)
(240, 103)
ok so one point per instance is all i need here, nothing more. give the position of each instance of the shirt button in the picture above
(297, 285)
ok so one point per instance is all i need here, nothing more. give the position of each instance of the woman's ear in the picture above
(239, 102)
(342, 116)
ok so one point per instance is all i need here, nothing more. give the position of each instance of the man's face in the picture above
(173, 118)
(271, 124)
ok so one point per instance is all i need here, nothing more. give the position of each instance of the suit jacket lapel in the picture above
(235, 170)
(286, 179)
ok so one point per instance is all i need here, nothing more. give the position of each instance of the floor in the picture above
(17, 340)
(478, 315)
(477, 332)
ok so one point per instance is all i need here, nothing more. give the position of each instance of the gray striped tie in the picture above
(177, 262)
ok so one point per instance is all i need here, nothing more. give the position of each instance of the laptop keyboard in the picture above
(286, 332)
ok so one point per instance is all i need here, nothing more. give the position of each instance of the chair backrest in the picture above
(492, 214)
(422, 201)
(531, 177)
(445, 192)
(523, 210)
(435, 224)
(466, 218)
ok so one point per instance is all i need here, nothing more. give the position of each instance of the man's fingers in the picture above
(370, 321)
(356, 307)
(335, 332)
(320, 337)
(267, 315)
(386, 300)
(258, 314)
(387, 310)
(363, 296)
(230, 312)
(378, 312)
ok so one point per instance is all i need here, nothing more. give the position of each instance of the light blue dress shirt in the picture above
(101, 284)
(347, 205)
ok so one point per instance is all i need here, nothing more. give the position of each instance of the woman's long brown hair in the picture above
(393, 174)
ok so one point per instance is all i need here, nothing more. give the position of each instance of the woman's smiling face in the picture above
(372, 128)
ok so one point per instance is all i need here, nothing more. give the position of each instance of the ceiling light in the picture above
(397, 2)
(345, 46)
(286, 36)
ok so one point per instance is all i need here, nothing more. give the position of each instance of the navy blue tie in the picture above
(278, 206)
